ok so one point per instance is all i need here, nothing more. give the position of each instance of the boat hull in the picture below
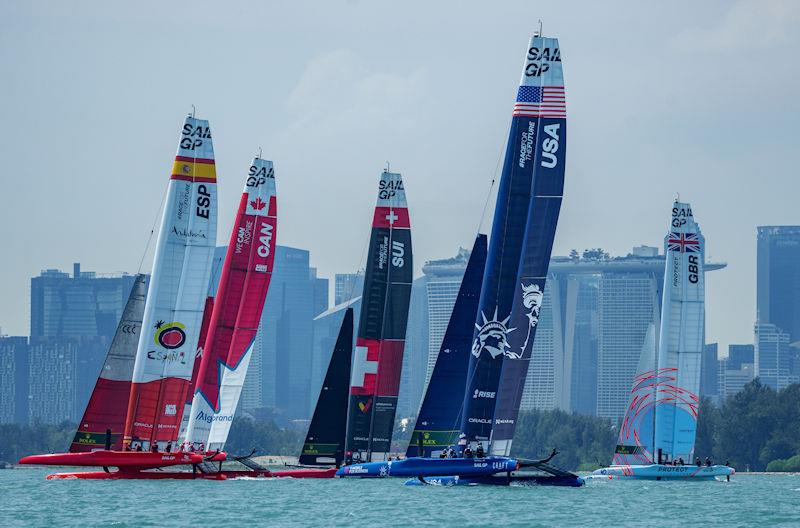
(500, 480)
(120, 459)
(662, 472)
(430, 467)
(137, 475)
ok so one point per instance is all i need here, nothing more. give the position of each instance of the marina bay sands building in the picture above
(594, 317)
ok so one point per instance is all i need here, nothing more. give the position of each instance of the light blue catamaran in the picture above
(657, 435)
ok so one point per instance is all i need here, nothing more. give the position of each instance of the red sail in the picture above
(109, 401)
(243, 286)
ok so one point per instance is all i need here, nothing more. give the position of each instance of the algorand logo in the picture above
(492, 336)
(211, 417)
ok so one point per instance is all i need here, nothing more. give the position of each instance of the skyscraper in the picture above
(709, 372)
(52, 375)
(347, 286)
(84, 306)
(73, 319)
(778, 278)
(595, 313)
(736, 370)
(774, 358)
(13, 379)
(442, 282)
(285, 338)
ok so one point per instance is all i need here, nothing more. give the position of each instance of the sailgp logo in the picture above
(492, 336)
(532, 300)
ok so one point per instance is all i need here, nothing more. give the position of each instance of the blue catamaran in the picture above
(474, 395)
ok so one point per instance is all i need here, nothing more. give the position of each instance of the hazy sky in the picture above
(696, 98)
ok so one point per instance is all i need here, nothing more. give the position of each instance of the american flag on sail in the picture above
(683, 242)
(540, 101)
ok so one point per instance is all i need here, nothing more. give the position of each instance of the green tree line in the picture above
(757, 429)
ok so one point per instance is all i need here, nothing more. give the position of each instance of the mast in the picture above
(324, 444)
(681, 341)
(541, 100)
(378, 357)
(536, 144)
(243, 285)
(439, 417)
(178, 284)
(109, 400)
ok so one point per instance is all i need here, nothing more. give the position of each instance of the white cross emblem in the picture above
(362, 366)
(391, 217)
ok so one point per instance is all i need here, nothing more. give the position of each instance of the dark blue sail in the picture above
(548, 188)
(439, 418)
(539, 113)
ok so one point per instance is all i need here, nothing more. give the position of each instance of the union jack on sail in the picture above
(683, 242)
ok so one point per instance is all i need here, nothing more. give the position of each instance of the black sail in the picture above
(324, 443)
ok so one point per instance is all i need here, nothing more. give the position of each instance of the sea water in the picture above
(27, 499)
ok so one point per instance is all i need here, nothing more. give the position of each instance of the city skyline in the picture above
(669, 122)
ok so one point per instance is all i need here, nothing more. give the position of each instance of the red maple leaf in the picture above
(258, 204)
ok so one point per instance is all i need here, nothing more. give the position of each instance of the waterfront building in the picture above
(442, 282)
(86, 305)
(347, 286)
(735, 371)
(709, 372)
(13, 379)
(774, 358)
(778, 278)
(594, 317)
(52, 382)
(285, 338)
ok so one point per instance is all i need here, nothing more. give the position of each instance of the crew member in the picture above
(467, 452)
(480, 453)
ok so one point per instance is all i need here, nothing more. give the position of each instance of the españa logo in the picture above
(170, 335)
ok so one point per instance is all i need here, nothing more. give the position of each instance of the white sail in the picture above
(681, 339)
(178, 286)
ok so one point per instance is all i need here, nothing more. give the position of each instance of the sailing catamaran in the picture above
(173, 312)
(511, 291)
(657, 435)
(170, 324)
(378, 357)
